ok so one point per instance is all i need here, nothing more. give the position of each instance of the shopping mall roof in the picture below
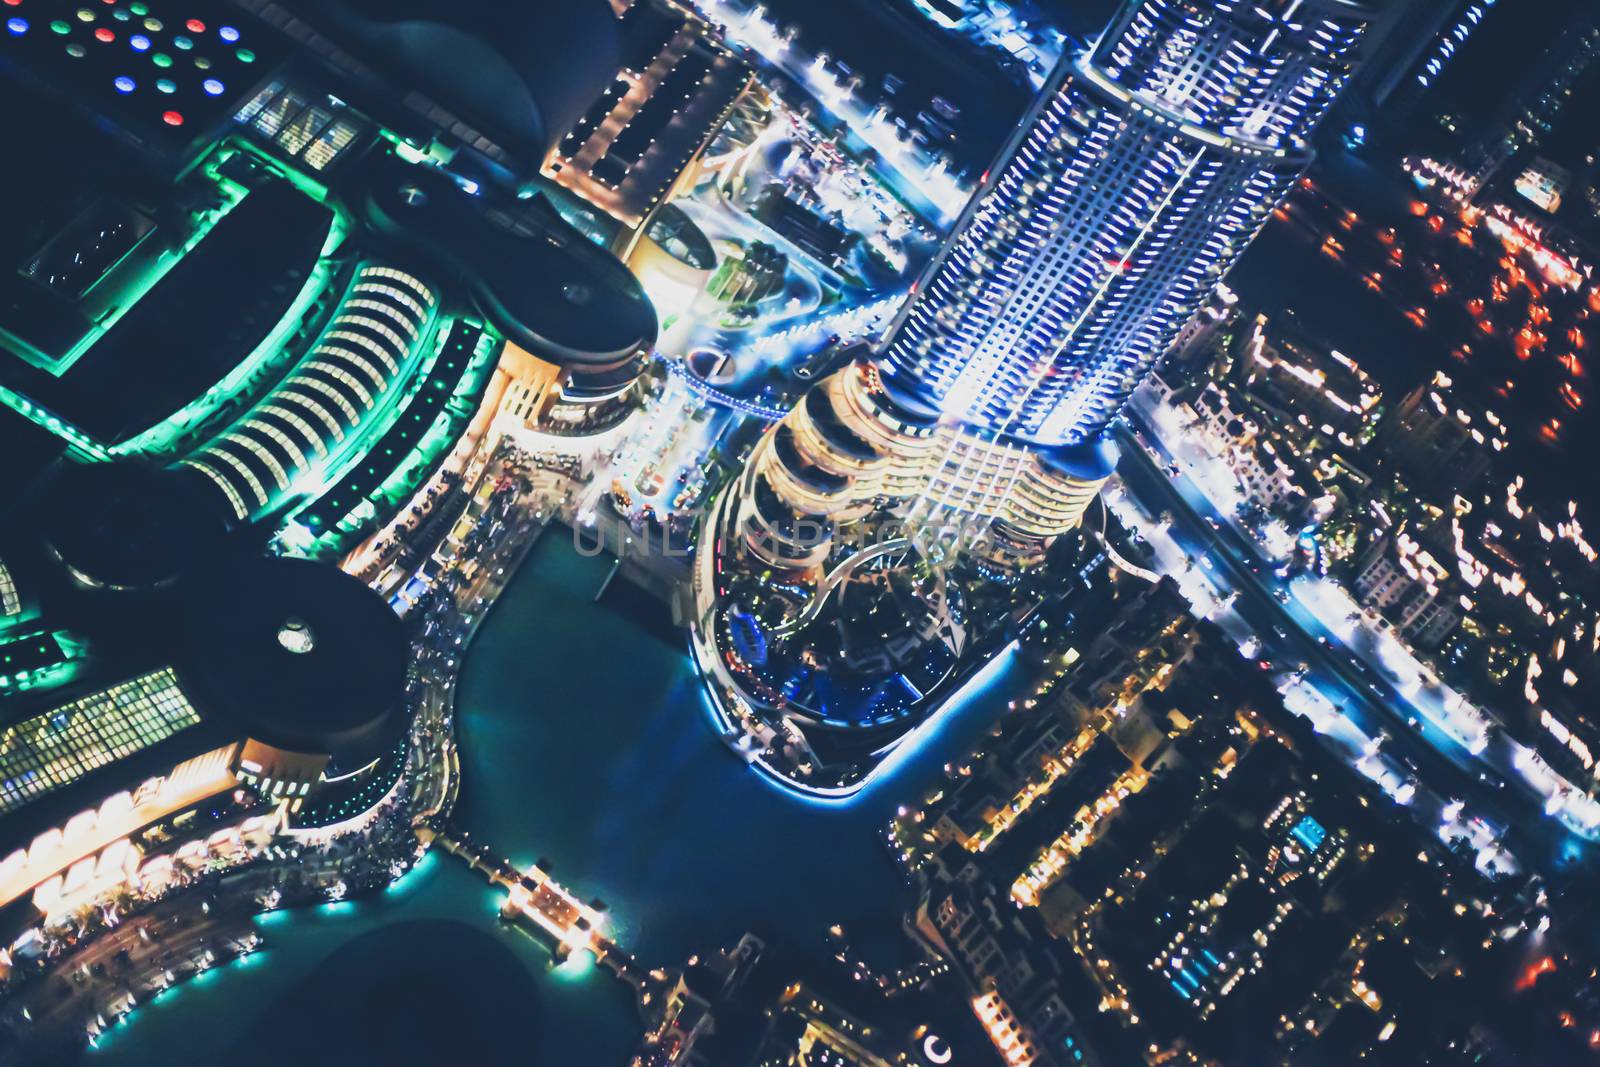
(295, 654)
(125, 525)
(525, 72)
(182, 639)
(536, 278)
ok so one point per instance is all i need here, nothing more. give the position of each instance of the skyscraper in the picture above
(1147, 164)
(1531, 114)
(1421, 40)
(1142, 173)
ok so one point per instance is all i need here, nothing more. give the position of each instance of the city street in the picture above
(914, 172)
(1418, 762)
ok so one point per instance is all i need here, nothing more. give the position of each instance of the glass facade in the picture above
(55, 749)
(1144, 170)
(10, 603)
(313, 128)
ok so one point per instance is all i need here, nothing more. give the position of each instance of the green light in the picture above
(60, 27)
(161, 59)
(244, 55)
(139, 9)
(160, 439)
(75, 50)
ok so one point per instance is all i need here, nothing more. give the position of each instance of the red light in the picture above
(14, 3)
(103, 34)
(1544, 966)
(172, 118)
(195, 26)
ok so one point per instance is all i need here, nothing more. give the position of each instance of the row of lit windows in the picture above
(278, 408)
(199, 463)
(366, 289)
(388, 311)
(291, 448)
(321, 389)
(407, 281)
(251, 482)
(239, 439)
(10, 603)
(359, 347)
(336, 370)
(337, 353)
(342, 332)
(55, 749)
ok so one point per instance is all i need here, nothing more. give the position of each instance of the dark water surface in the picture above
(585, 743)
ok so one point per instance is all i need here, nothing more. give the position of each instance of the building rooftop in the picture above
(526, 72)
(540, 283)
(296, 654)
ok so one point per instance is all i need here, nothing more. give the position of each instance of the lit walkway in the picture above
(542, 902)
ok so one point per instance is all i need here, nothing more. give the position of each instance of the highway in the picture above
(1436, 765)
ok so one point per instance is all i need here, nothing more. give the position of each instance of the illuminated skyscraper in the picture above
(1531, 114)
(976, 434)
(1141, 173)
(1422, 40)
(1145, 168)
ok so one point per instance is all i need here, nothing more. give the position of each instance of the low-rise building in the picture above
(1406, 584)
(1437, 442)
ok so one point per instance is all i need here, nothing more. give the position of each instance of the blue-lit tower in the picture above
(975, 434)
(1145, 168)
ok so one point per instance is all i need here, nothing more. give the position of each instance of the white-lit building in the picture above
(1144, 170)
(1402, 581)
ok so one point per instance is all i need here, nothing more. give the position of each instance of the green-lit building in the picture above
(258, 271)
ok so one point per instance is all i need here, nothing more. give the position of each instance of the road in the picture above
(1443, 768)
(919, 177)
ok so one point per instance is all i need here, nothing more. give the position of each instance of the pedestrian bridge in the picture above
(540, 903)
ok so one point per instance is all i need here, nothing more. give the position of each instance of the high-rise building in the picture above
(1143, 171)
(1530, 115)
(1419, 43)
(1145, 167)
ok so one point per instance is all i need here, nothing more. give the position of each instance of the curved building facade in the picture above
(306, 422)
(1143, 170)
(855, 445)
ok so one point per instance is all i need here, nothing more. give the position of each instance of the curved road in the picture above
(825, 587)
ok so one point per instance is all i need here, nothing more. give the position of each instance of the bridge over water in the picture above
(538, 902)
